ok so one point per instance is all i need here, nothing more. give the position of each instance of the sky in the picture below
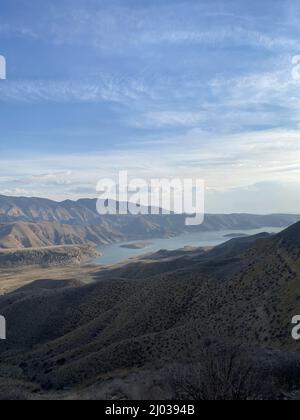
(165, 88)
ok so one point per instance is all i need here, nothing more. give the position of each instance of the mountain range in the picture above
(136, 319)
(37, 222)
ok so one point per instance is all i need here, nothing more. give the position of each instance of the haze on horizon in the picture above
(177, 88)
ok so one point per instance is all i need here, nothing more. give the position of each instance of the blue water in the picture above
(113, 254)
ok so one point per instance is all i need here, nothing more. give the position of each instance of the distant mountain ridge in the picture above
(34, 222)
(84, 211)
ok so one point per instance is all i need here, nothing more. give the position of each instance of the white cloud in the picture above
(233, 161)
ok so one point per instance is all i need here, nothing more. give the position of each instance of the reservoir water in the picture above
(113, 254)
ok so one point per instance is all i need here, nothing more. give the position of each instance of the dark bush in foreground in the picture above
(222, 373)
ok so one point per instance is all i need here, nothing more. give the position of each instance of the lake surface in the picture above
(113, 254)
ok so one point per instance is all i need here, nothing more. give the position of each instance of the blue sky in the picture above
(176, 88)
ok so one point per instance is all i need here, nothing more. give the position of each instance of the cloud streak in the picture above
(102, 89)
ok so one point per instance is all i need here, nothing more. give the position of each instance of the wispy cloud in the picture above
(21, 31)
(101, 89)
(232, 36)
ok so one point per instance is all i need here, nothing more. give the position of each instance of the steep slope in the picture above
(237, 245)
(290, 238)
(28, 234)
(39, 209)
(155, 312)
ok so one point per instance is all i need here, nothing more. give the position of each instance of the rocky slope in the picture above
(41, 234)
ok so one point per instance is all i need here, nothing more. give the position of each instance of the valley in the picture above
(120, 252)
(104, 307)
(47, 278)
(126, 324)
